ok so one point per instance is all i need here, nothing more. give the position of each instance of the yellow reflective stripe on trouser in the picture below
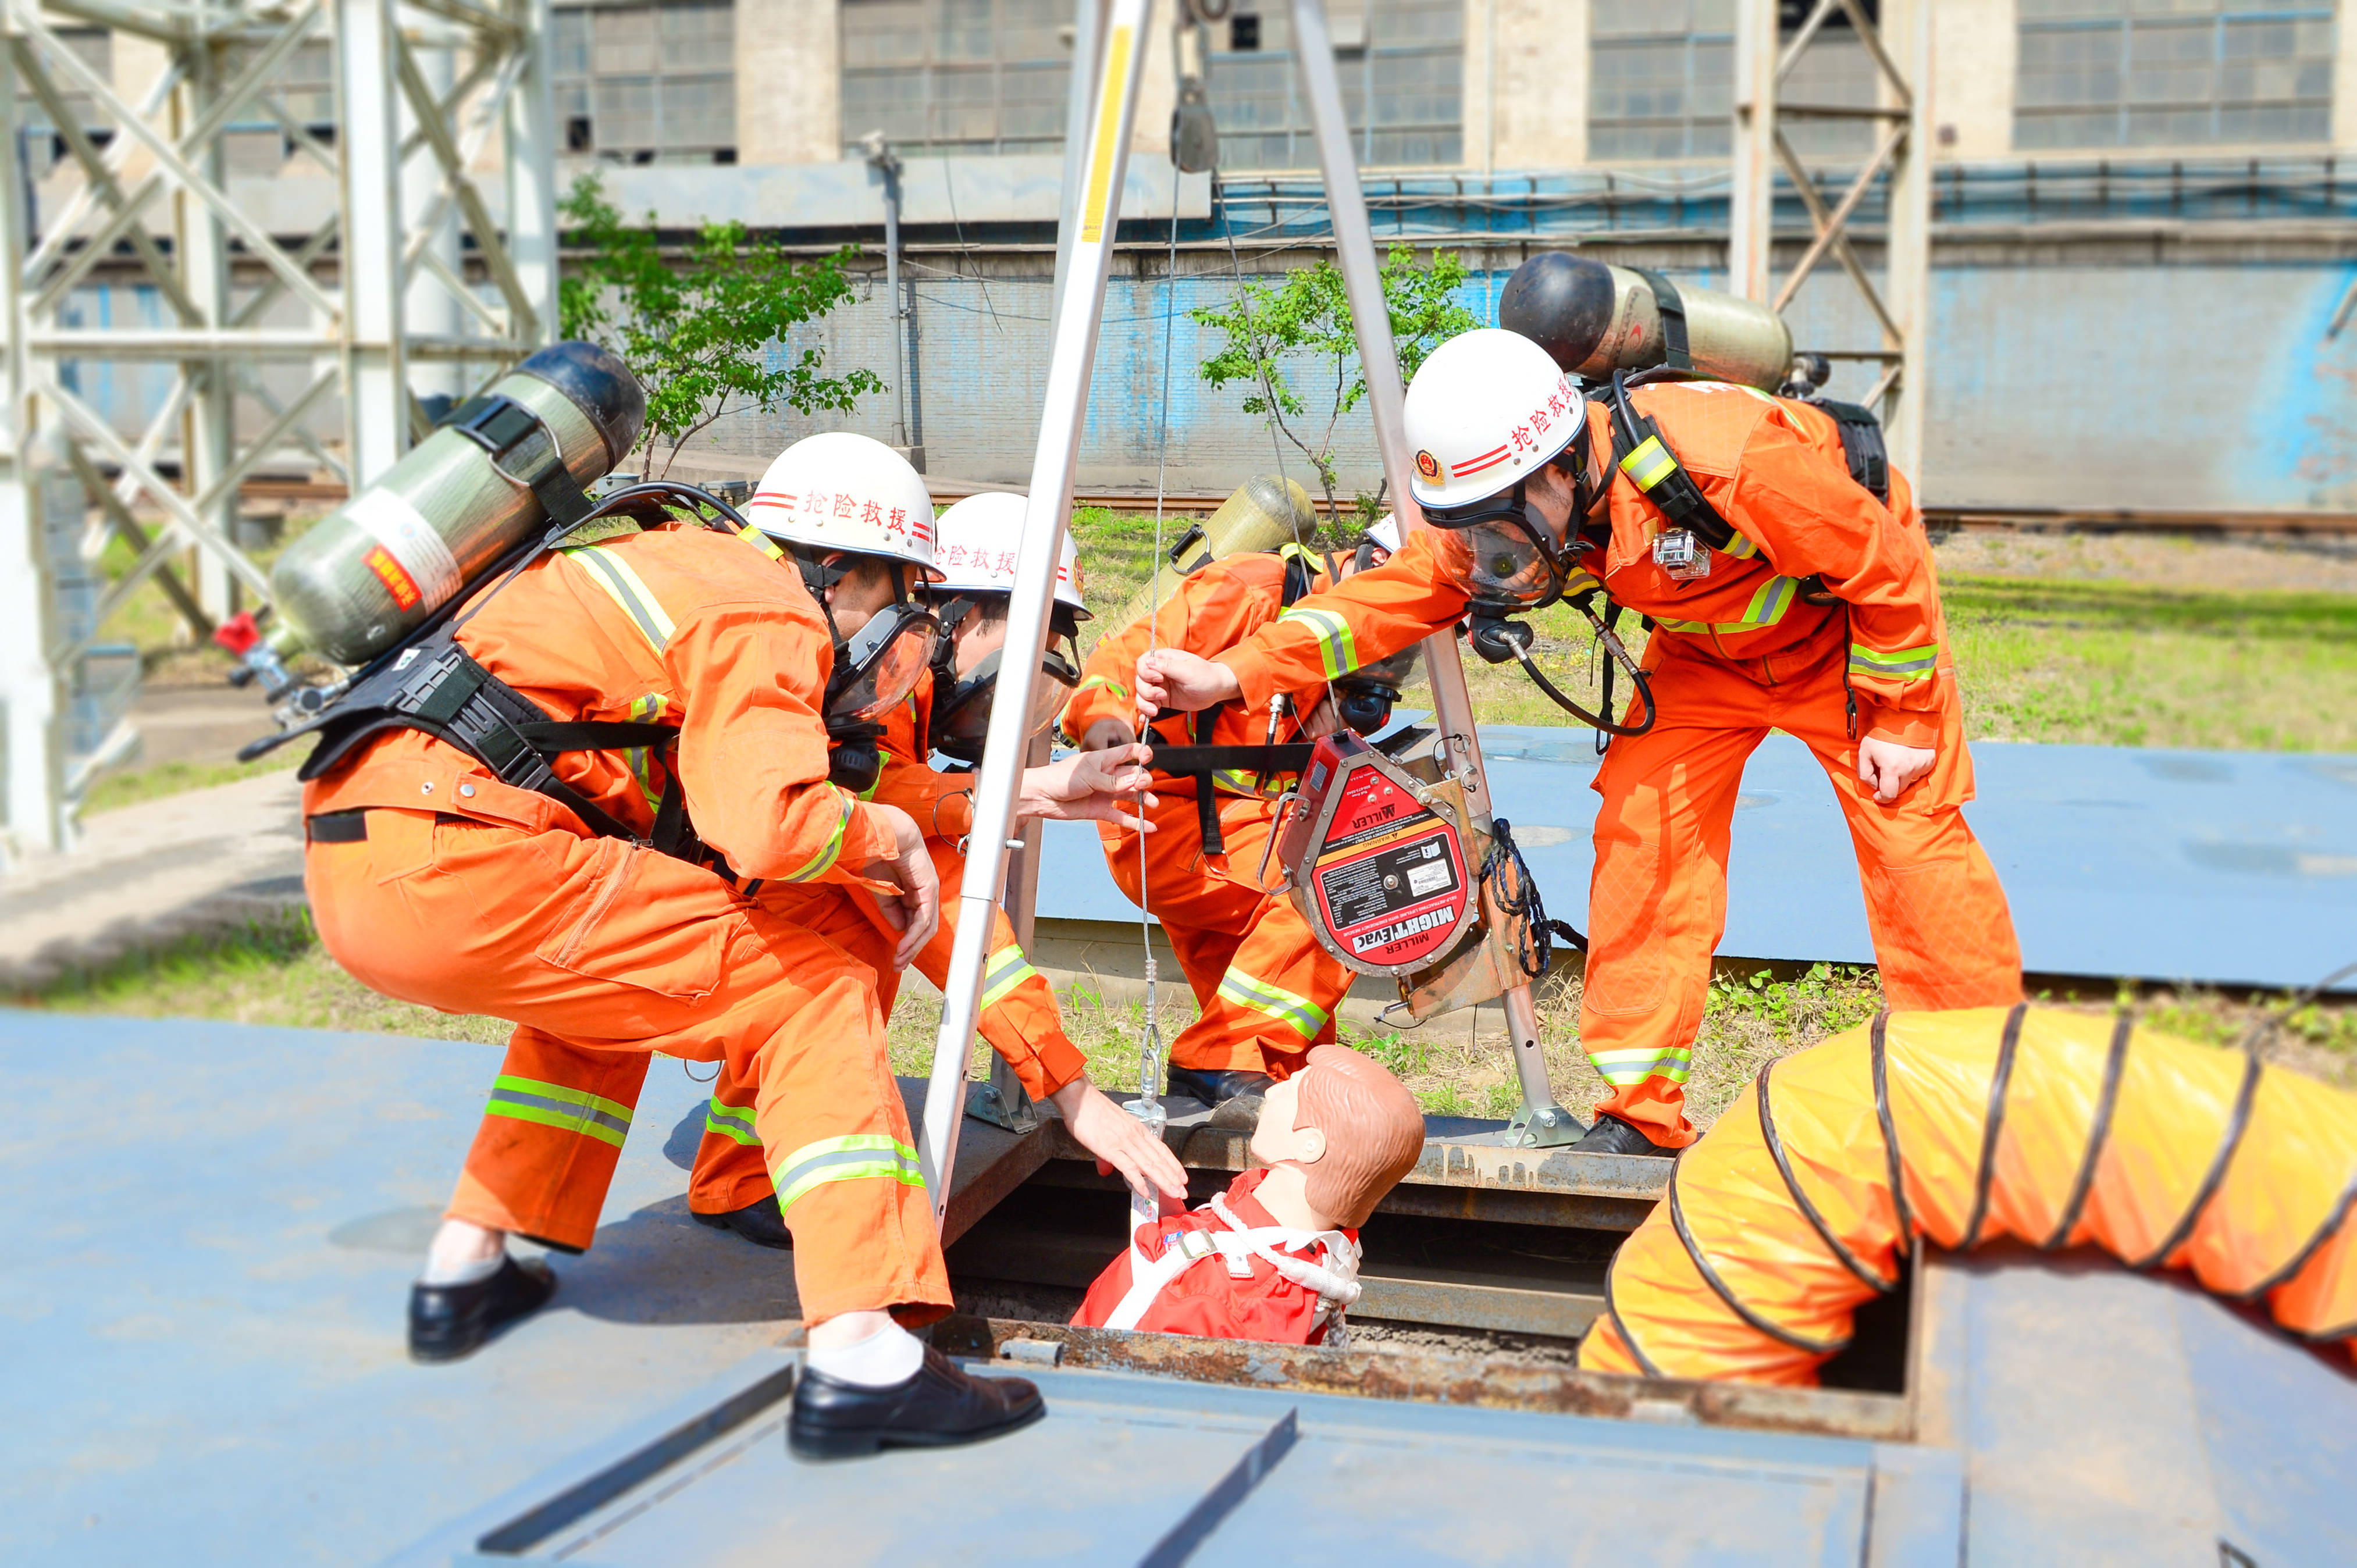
(858, 1157)
(821, 863)
(611, 572)
(1621, 1068)
(731, 1121)
(554, 1105)
(1895, 664)
(1006, 969)
(1336, 645)
(1300, 1015)
(1767, 605)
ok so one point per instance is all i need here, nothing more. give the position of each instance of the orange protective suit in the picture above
(470, 896)
(1018, 1009)
(1736, 654)
(1267, 989)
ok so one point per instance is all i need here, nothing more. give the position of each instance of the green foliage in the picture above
(1303, 327)
(698, 335)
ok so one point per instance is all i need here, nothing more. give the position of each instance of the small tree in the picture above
(1305, 322)
(698, 336)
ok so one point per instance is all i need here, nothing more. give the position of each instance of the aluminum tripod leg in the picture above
(1080, 310)
(1541, 1123)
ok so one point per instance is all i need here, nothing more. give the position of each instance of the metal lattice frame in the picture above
(424, 91)
(1900, 163)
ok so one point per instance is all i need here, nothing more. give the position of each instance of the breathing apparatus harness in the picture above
(428, 682)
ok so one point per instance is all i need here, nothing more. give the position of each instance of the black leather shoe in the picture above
(1610, 1135)
(938, 1407)
(760, 1223)
(446, 1322)
(1234, 1095)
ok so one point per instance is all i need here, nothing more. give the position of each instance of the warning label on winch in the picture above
(1398, 902)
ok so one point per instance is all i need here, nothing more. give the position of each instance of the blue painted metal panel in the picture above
(2224, 867)
(1121, 1460)
(204, 1270)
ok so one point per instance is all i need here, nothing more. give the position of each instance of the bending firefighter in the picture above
(729, 913)
(1783, 595)
(1267, 991)
(971, 555)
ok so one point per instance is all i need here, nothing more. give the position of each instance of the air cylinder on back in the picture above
(1595, 319)
(357, 582)
(1262, 514)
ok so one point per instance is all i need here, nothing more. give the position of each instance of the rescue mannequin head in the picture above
(1336, 1136)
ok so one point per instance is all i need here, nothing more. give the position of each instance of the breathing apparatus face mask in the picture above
(876, 668)
(1364, 697)
(1520, 562)
(962, 704)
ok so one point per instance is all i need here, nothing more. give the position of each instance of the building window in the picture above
(647, 84)
(1661, 76)
(1406, 58)
(2136, 73)
(956, 76)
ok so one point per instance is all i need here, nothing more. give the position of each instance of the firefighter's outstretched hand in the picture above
(1182, 682)
(1121, 1143)
(915, 910)
(1090, 786)
(1888, 768)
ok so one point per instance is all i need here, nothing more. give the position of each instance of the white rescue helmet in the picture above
(845, 491)
(978, 537)
(1485, 410)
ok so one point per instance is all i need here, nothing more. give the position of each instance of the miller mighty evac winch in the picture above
(1379, 873)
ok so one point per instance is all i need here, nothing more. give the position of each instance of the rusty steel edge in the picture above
(1419, 1377)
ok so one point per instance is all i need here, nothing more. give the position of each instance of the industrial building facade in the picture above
(2142, 206)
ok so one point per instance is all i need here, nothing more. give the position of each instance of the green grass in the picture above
(119, 789)
(2119, 664)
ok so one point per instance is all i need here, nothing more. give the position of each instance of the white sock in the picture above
(472, 1272)
(890, 1355)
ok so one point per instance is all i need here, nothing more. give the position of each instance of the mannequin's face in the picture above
(1275, 1139)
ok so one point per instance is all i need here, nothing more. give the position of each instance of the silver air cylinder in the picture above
(368, 573)
(1596, 319)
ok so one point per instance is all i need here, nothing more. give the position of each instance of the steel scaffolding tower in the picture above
(432, 263)
(1900, 45)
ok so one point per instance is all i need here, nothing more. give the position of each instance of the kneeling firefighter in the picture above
(1267, 989)
(556, 820)
(881, 751)
(1784, 594)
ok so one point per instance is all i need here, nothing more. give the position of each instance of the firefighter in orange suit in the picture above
(434, 882)
(948, 711)
(1266, 990)
(1819, 616)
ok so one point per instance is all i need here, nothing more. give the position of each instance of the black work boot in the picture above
(760, 1223)
(938, 1406)
(448, 1322)
(1233, 1094)
(1610, 1135)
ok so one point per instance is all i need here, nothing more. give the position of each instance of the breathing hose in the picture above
(1499, 640)
(2054, 1128)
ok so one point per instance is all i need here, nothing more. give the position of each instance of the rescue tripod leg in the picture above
(1001, 1099)
(1540, 1123)
(1080, 311)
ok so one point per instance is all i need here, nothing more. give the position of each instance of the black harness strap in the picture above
(1673, 306)
(1641, 451)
